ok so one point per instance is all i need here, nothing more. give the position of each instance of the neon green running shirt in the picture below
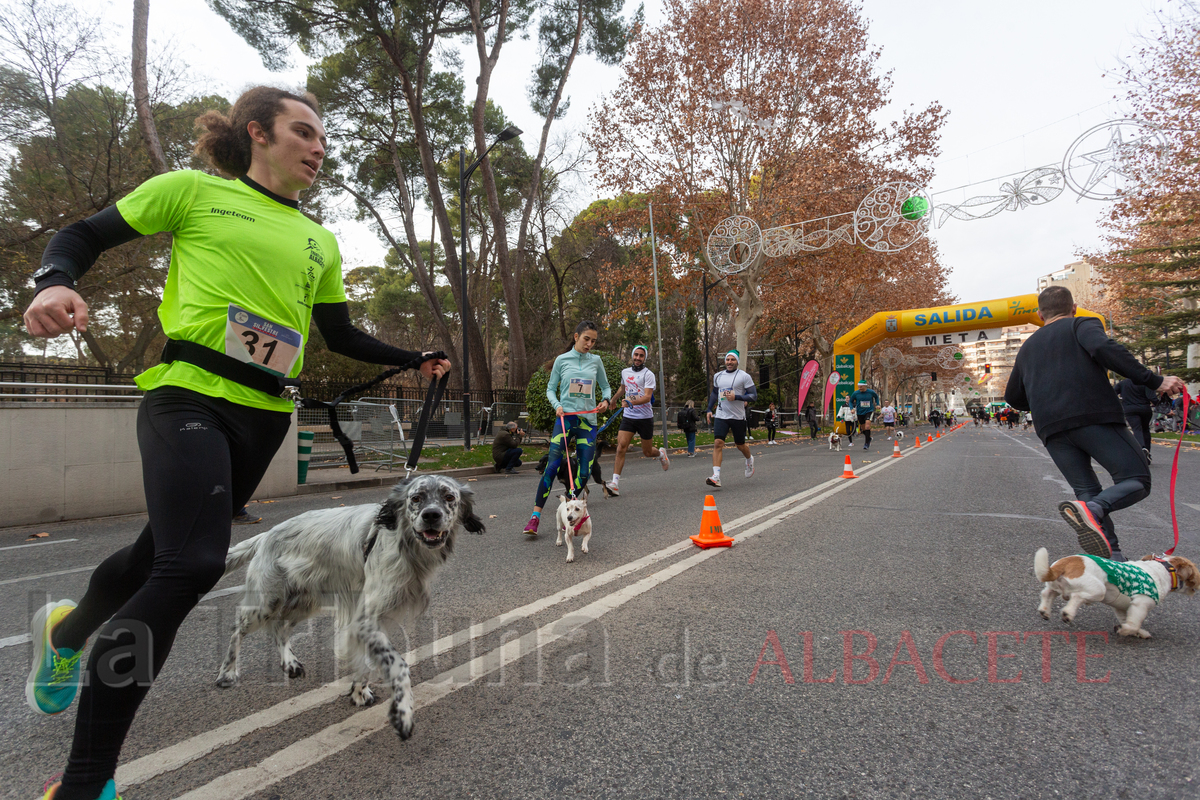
(239, 261)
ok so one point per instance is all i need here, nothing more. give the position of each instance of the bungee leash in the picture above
(433, 396)
(593, 437)
(1175, 469)
(269, 383)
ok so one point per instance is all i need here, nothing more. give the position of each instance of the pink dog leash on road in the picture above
(1175, 469)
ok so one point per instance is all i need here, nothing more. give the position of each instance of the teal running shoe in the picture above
(109, 793)
(54, 679)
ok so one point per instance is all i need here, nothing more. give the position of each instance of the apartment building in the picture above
(1001, 354)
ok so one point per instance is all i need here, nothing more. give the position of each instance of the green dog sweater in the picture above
(1129, 578)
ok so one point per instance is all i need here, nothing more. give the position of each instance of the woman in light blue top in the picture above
(576, 382)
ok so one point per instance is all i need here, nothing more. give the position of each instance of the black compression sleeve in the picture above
(333, 320)
(76, 247)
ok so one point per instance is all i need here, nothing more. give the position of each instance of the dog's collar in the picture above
(1171, 569)
(579, 524)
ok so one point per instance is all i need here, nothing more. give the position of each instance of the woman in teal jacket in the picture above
(576, 381)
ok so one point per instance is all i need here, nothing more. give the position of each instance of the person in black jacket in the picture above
(1060, 374)
(686, 420)
(811, 418)
(1138, 403)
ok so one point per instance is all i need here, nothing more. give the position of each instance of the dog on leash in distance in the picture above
(374, 561)
(835, 441)
(1130, 588)
(573, 520)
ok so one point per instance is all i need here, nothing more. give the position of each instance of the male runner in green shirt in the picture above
(863, 401)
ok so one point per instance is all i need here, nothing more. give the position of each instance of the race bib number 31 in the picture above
(253, 340)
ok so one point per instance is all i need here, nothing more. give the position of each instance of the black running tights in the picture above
(202, 459)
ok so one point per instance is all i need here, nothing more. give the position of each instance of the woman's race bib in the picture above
(580, 387)
(253, 340)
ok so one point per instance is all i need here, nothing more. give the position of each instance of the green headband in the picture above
(735, 354)
(641, 347)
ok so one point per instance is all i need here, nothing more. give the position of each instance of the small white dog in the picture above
(573, 520)
(1131, 588)
(835, 441)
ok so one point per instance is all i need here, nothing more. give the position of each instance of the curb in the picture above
(388, 479)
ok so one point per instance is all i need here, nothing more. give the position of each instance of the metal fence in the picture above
(55, 392)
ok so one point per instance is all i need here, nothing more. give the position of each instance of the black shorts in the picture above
(863, 418)
(642, 427)
(723, 427)
(891, 424)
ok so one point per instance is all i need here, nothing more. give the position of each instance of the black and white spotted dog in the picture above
(375, 563)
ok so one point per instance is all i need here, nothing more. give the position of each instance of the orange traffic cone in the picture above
(918, 440)
(896, 450)
(711, 534)
(848, 470)
(928, 439)
(939, 434)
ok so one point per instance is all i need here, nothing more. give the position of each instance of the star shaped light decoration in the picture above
(1104, 173)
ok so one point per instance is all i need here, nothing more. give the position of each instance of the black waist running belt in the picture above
(230, 368)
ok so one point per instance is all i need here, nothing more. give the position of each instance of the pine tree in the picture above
(1164, 313)
(690, 379)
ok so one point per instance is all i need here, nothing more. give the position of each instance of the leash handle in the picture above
(1187, 399)
(433, 396)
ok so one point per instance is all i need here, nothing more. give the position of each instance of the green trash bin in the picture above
(304, 442)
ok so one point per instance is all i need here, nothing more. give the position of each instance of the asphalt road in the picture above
(867, 638)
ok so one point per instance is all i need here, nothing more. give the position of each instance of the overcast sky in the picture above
(1022, 79)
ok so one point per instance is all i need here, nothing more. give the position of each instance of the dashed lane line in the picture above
(337, 737)
(38, 544)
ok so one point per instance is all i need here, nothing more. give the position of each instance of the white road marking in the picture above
(337, 737)
(25, 639)
(47, 575)
(1026, 446)
(38, 544)
(1061, 482)
(1192, 506)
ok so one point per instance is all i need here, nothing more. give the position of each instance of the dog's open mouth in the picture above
(433, 538)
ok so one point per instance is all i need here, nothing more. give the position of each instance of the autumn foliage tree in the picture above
(769, 109)
(1152, 265)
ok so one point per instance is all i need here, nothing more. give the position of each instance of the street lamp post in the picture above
(464, 174)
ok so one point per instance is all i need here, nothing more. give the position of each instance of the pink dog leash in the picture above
(1175, 469)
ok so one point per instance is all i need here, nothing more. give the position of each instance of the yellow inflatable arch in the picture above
(942, 326)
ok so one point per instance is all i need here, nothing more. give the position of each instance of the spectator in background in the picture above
(772, 422)
(506, 449)
(686, 419)
(810, 417)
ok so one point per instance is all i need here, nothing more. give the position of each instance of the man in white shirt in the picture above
(888, 415)
(637, 388)
(731, 388)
